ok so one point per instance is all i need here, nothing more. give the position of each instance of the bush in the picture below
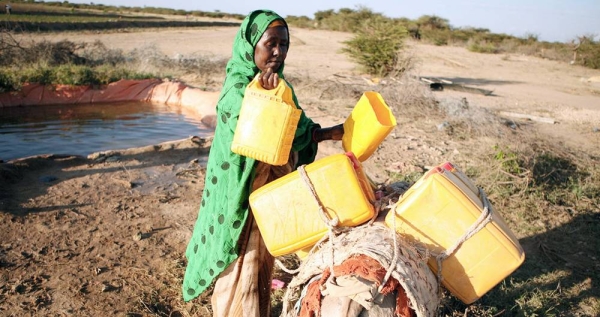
(432, 22)
(7, 82)
(69, 63)
(588, 52)
(64, 62)
(346, 20)
(438, 31)
(44, 52)
(436, 37)
(30, 74)
(97, 53)
(376, 46)
(301, 21)
(107, 74)
(74, 75)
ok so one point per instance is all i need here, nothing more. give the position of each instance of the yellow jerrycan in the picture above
(445, 211)
(267, 123)
(369, 123)
(287, 213)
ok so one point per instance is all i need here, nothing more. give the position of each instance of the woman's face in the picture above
(271, 49)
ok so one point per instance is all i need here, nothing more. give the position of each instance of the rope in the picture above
(480, 223)
(331, 223)
(411, 269)
(285, 269)
(406, 260)
(392, 265)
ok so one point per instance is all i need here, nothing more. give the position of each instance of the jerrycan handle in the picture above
(282, 91)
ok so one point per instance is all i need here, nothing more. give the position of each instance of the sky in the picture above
(550, 20)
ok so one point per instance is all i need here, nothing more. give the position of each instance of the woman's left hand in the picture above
(269, 79)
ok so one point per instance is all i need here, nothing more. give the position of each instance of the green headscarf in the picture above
(224, 208)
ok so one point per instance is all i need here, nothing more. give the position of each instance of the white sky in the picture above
(551, 20)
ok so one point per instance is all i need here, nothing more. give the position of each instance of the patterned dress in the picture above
(224, 211)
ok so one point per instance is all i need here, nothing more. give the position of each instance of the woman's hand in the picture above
(269, 79)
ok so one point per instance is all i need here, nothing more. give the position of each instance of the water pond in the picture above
(87, 128)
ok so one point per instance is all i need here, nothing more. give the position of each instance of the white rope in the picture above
(405, 262)
(285, 269)
(331, 223)
(392, 265)
(411, 269)
(480, 223)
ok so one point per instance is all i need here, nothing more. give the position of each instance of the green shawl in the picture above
(224, 208)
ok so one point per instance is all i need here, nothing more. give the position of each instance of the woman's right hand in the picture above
(335, 133)
(269, 79)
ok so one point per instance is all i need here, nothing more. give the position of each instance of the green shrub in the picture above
(301, 21)
(411, 26)
(67, 74)
(436, 36)
(36, 74)
(74, 75)
(433, 22)
(588, 52)
(434, 29)
(376, 46)
(8, 82)
(345, 20)
(68, 63)
(107, 74)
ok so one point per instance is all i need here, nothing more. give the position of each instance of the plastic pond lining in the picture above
(193, 101)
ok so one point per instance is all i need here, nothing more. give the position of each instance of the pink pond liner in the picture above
(192, 101)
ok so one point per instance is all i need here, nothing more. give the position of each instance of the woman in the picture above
(226, 242)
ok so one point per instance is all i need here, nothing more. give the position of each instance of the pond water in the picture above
(88, 128)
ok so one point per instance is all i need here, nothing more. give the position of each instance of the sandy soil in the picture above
(106, 236)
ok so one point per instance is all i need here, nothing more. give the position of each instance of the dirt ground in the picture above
(106, 235)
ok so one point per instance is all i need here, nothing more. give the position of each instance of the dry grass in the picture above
(67, 62)
(549, 195)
